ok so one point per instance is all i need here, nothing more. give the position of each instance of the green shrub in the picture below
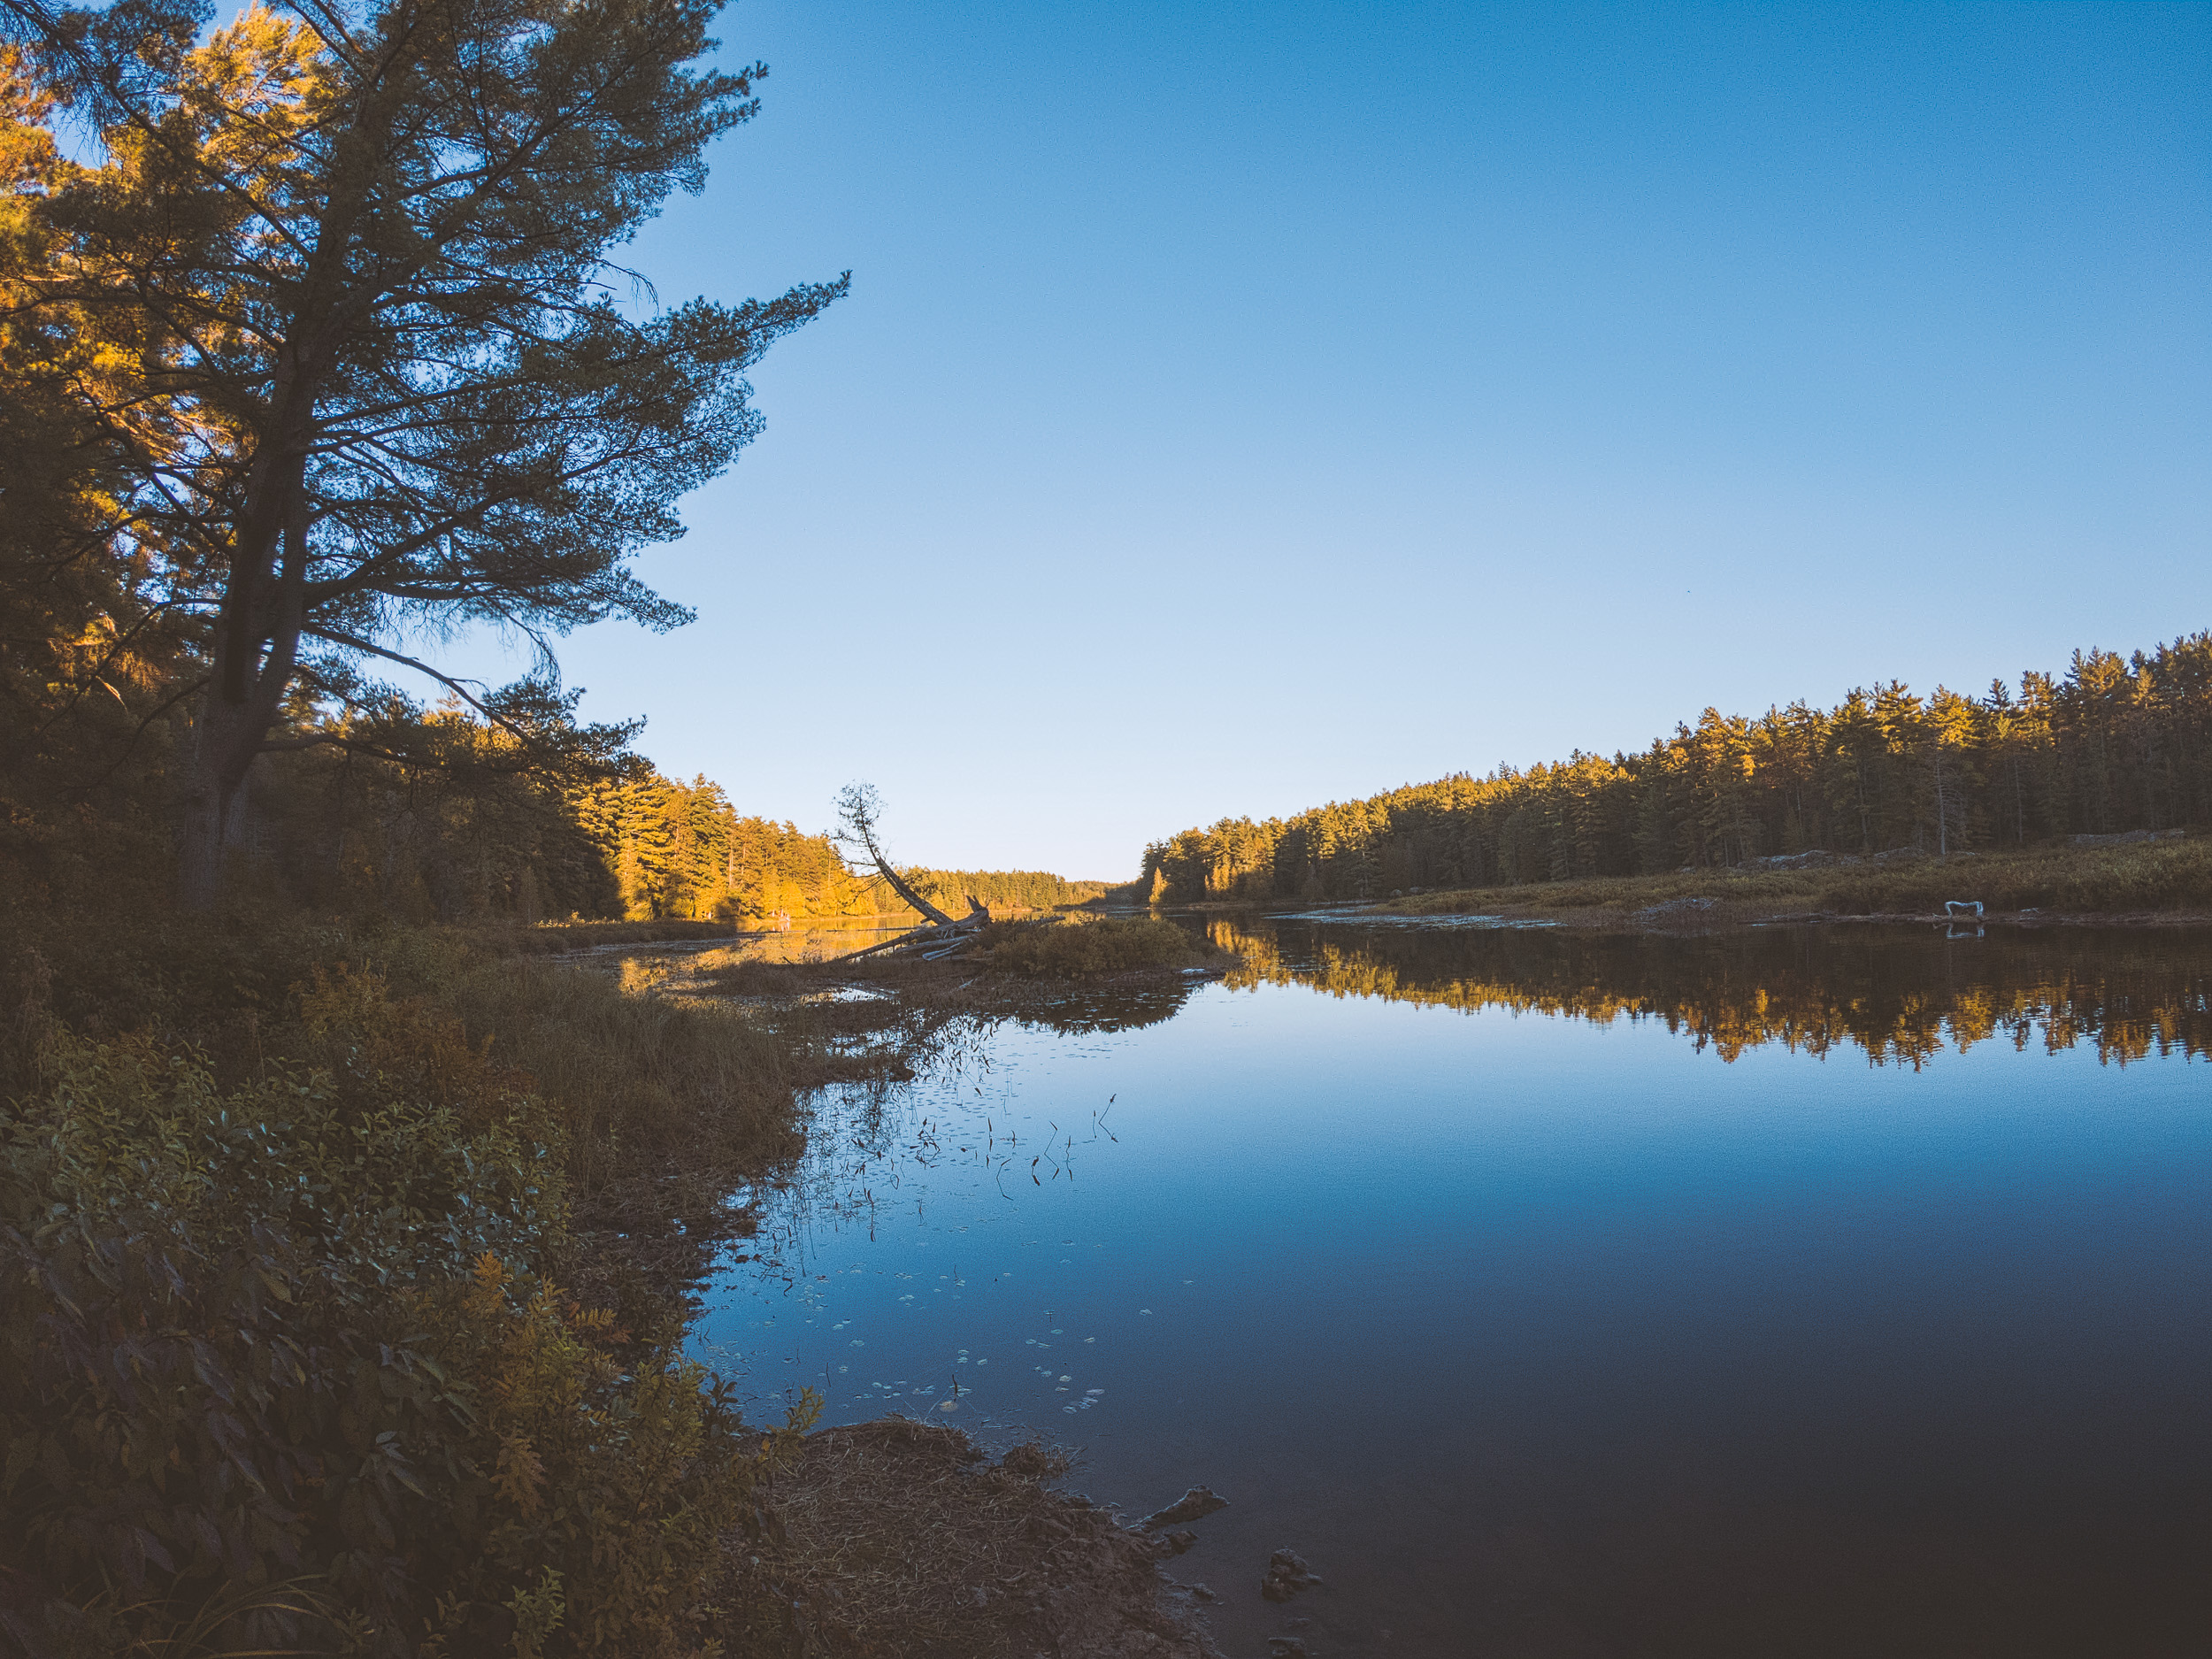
(279, 1372)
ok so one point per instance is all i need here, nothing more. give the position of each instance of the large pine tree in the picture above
(357, 263)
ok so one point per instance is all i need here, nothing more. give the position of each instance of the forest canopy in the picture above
(2113, 744)
(310, 347)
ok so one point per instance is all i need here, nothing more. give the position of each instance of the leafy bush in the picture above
(280, 1368)
(1090, 949)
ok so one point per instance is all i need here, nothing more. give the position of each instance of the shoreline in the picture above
(906, 1532)
(1676, 917)
(909, 1533)
(2164, 882)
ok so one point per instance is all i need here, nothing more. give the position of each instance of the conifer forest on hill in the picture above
(2113, 744)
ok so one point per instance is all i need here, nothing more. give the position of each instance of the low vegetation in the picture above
(343, 1291)
(2169, 877)
(1091, 950)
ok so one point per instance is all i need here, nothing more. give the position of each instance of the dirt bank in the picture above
(902, 1539)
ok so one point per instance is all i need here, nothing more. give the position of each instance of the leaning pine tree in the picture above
(356, 263)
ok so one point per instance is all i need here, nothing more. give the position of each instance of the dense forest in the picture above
(2113, 744)
(446, 817)
(997, 889)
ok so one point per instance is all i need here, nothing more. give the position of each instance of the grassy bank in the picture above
(345, 1272)
(343, 1290)
(2162, 879)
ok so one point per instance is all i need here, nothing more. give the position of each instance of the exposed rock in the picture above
(1194, 1505)
(1287, 1575)
(1814, 859)
(1177, 1542)
(2127, 836)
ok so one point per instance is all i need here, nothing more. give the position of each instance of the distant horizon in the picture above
(2013, 683)
(1241, 409)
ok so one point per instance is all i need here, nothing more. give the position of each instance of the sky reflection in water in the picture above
(1541, 1292)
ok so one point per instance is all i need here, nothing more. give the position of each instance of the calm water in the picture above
(1798, 1292)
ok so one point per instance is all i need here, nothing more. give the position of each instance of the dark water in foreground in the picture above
(1797, 1292)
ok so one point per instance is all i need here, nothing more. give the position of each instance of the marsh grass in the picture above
(636, 1078)
(1094, 949)
(387, 1229)
(2132, 880)
(986, 980)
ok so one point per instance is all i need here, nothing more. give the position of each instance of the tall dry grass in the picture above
(635, 1077)
(1084, 948)
(2133, 879)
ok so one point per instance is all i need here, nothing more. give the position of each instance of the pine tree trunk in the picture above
(1943, 812)
(256, 646)
(225, 740)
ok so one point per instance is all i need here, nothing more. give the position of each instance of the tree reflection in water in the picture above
(1899, 994)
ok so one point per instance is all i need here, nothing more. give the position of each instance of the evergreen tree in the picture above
(357, 259)
(2117, 744)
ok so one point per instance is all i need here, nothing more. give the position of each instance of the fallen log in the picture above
(859, 807)
(887, 944)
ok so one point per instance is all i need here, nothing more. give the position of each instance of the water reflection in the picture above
(1829, 1291)
(1898, 994)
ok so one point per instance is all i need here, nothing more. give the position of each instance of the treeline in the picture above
(2114, 744)
(998, 889)
(682, 849)
(438, 815)
(458, 825)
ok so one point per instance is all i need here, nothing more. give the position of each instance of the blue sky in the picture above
(1238, 407)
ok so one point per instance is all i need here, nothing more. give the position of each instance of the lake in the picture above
(1789, 1291)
